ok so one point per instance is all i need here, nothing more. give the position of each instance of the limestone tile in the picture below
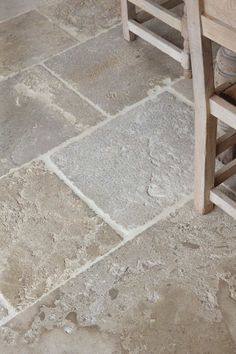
(15, 7)
(136, 165)
(185, 88)
(28, 39)
(114, 73)
(47, 233)
(37, 112)
(83, 19)
(171, 290)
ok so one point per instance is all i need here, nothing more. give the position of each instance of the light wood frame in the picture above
(133, 26)
(209, 108)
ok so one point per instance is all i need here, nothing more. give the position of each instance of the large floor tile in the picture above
(114, 73)
(138, 164)
(37, 112)
(170, 291)
(28, 39)
(83, 19)
(15, 7)
(47, 233)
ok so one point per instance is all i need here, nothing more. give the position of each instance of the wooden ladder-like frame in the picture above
(133, 26)
(210, 107)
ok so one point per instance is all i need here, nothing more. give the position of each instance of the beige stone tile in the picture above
(136, 165)
(114, 73)
(37, 112)
(82, 19)
(15, 7)
(171, 291)
(27, 40)
(47, 233)
(185, 88)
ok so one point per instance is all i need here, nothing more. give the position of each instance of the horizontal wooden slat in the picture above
(219, 32)
(143, 16)
(224, 202)
(223, 110)
(159, 12)
(225, 142)
(155, 40)
(223, 10)
(225, 172)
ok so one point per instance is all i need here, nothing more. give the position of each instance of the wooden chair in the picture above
(208, 21)
(133, 26)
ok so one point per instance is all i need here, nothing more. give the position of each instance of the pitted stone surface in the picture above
(28, 39)
(37, 112)
(114, 73)
(136, 165)
(47, 233)
(185, 87)
(170, 291)
(15, 7)
(83, 19)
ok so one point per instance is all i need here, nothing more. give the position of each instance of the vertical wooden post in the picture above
(225, 71)
(205, 124)
(186, 49)
(127, 12)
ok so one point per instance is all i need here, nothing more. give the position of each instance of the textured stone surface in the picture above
(136, 165)
(83, 19)
(47, 233)
(37, 112)
(185, 87)
(14, 8)
(171, 290)
(114, 73)
(28, 39)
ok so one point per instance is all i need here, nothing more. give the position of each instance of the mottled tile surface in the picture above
(37, 112)
(185, 88)
(170, 291)
(136, 165)
(83, 19)
(114, 73)
(47, 233)
(27, 40)
(14, 8)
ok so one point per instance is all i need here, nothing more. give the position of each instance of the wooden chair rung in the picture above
(223, 110)
(158, 11)
(220, 199)
(143, 16)
(225, 172)
(155, 40)
(219, 32)
(225, 142)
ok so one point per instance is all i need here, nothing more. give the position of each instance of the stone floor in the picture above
(101, 250)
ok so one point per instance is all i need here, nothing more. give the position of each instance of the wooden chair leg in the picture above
(205, 124)
(128, 11)
(187, 63)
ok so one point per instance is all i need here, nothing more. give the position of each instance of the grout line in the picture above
(85, 133)
(68, 85)
(55, 24)
(6, 305)
(119, 229)
(126, 234)
(15, 169)
(180, 96)
(17, 15)
(163, 215)
(78, 43)
(88, 265)
(15, 73)
(82, 269)
(64, 28)
(90, 130)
